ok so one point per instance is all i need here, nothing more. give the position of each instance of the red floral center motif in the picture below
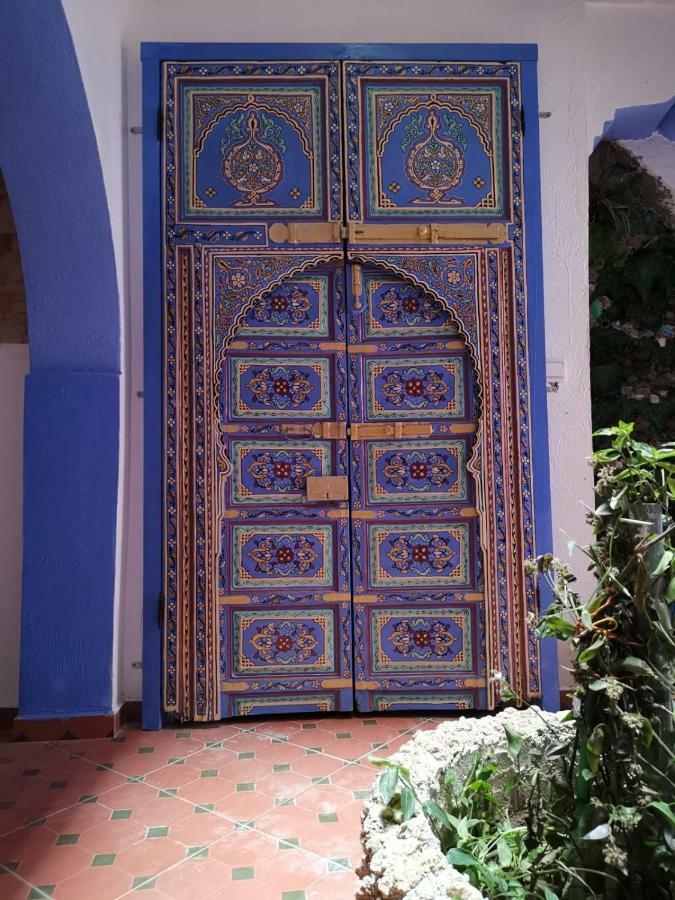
(420, 554)
(414, 387)
(279, 304)
(421, 638)
(284, 643)
(280, 386)
(284, 554)
(418, 470)
(411, 304)
(281, 469)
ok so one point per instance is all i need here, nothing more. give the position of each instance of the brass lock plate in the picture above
(327, 487)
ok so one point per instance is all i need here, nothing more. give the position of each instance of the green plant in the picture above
(623, 759)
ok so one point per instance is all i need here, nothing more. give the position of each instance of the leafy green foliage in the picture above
(632, 299)
(624, 671)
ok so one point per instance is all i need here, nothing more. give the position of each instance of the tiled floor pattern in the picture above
(264, 809)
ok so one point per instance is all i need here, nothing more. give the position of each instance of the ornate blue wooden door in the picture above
(344, 383)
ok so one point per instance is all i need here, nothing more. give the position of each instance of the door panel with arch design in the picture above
(347, 464)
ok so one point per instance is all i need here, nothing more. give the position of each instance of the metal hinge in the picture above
(307, 233)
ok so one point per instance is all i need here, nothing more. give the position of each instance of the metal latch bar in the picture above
(428, 233)
(330, 431)
(364, 430)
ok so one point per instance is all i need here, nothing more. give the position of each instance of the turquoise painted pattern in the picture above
(421, 640)
(384, 702)
(283, 642)
(297, 308)
(409, 472)
(276, 472)
(419, 555)
(415, 388)
(280, 387)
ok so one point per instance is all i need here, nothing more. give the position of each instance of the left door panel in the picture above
(256, 611)
(285, 611)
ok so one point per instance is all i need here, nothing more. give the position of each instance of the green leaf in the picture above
(458, 857)
(669, 595)
(666, 810)
(407, 803)
(387, 784)
(636, 666)
(588, 654)
(515, 742)
(594, 747)
(504, 854)
(548, 893)
(598, 684)
(599, 833)
(663, 563)
(436, 813)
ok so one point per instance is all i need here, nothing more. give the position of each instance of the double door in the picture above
(347, 472)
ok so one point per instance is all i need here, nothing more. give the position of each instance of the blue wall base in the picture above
(71, 420)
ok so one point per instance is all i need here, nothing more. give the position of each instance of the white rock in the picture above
(405, 860)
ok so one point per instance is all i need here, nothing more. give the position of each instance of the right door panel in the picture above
(417, 573)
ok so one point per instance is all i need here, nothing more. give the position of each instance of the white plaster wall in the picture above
(594, 58)
(13, 370)
(658, 156)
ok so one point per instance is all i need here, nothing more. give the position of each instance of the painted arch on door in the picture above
(212, 282)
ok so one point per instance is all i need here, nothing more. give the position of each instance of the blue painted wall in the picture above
(50, 161)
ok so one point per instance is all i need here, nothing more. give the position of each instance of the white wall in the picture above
(594, 58)
(13, 370)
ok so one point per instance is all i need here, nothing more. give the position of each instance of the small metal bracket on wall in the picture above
(555, 374)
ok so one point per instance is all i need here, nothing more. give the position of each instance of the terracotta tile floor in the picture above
(263, 810)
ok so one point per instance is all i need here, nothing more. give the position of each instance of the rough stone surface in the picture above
(405, 860)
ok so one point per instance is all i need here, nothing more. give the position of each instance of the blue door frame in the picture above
(152, 56)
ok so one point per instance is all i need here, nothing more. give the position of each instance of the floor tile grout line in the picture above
(33, 887)
(142, 779)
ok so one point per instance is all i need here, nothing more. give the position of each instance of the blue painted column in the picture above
(50, 161)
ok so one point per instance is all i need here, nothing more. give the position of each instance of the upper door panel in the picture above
(254, 142)
(428, 141)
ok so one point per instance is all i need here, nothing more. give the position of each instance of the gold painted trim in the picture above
(232, 688)
(363, 514)
(306, 232)
(337, 683)
(232, 599)
(431, 233)
(364, 430)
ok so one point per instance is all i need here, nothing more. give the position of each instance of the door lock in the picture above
(327, 487)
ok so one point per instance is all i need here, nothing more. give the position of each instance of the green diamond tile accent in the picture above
(104, 859)
(248, 754)
(198, 852)
(308, 725)
(168, 792)
(243, 873)
(288, 843)
(325, 818)
(245, 786)
(67, 839)
(118, 739)
(57, 785)
(146, 749)
(293, 895)
(205, 807)
(321, 779)
(177, 761)
(35, 821)
(243, 826)
(213, 745)
(121, 814)
(282, 767)
(157, 831)
(312, 751)
(40, 891)
(88, 798)
(10, 866)
(368, 722)
(403, 731)
(285, 801)
(104, 766)
(183, 734)
(279, 740)
(31, 771)
(338, 865)
(209, 773)
(139, 779)
(380, 746)
(143, 883)
(344, 736)
(361, 795)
